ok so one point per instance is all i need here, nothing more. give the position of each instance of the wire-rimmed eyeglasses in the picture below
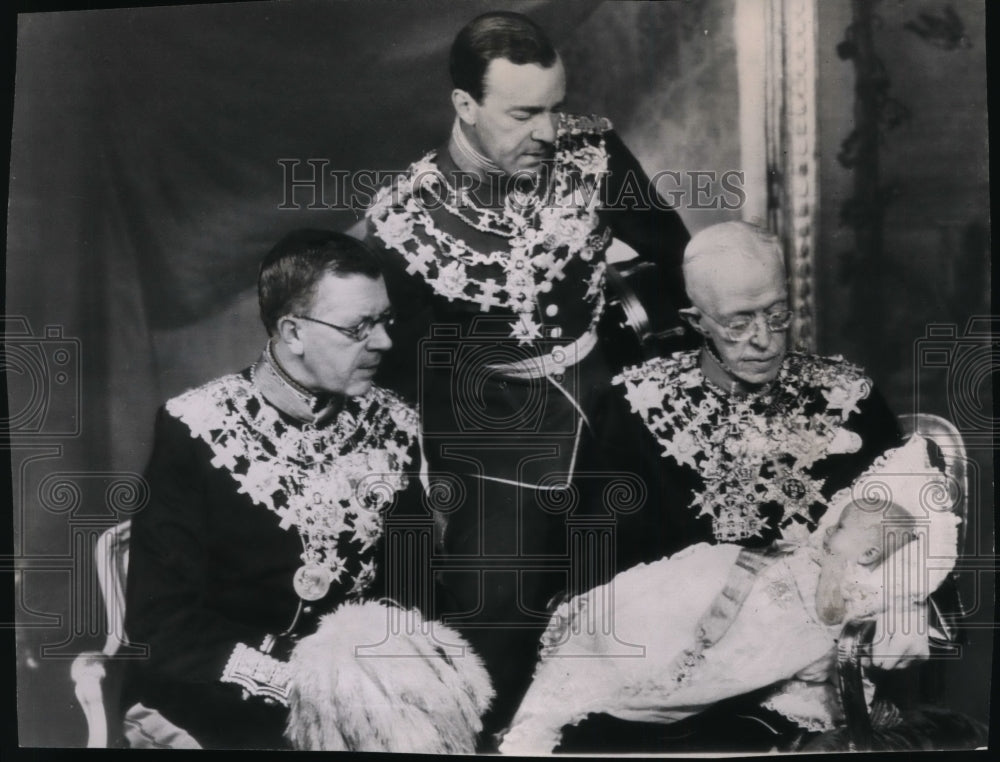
(361, 330)
(742, 327)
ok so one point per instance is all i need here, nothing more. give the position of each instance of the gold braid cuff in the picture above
(258, 674)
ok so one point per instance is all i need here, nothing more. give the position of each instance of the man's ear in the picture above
(465, 106)
(692, 316)
(288, 334)
(871, 556)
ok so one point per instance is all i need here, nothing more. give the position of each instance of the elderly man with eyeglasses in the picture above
(740, 441)
(270, 492)
(755, 437)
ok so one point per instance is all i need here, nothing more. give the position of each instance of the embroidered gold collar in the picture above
(749, 450)
(331, 483)
(543, 233)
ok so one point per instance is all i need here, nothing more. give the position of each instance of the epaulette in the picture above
(828, 372)
(663, 369)
(835, 363)
(207, 400)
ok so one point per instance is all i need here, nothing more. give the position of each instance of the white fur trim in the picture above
(376, 677)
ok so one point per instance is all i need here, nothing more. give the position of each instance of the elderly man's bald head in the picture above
(735, 278)
(724, 256)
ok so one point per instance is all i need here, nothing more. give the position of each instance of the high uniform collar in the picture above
(487, 189)
(467, 157)
(474, 179)
(289, 396)
(735, 387)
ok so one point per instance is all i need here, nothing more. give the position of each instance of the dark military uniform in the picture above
(500, 295)
(268, 508)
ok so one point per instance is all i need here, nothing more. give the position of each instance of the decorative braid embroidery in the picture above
(542, 237)
(258, 674)
(751, 450)
(331, 484)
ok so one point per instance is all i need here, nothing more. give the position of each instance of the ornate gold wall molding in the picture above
(790, 124)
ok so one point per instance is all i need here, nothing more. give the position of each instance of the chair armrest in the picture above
(855, 642)
(87, 673)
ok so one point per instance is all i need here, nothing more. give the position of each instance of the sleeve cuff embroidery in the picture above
(258, 674)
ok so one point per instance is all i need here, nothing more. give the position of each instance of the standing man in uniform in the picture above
(494, 252)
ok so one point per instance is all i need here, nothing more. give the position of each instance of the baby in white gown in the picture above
(665, 640)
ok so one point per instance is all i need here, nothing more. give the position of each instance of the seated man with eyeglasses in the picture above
(740, 441)
(272, 491)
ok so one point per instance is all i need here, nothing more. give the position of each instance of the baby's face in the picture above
(855, 532)
(856, 538)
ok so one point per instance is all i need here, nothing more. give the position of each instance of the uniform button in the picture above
(555, 332)
(552, 310)
(545, 286)
(307, 609)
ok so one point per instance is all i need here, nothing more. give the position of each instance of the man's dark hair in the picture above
(500, 34)
(288, 275)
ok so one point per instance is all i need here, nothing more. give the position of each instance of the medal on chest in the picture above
(312, 582)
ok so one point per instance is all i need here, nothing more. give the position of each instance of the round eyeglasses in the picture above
(361, 330)
(742, 327)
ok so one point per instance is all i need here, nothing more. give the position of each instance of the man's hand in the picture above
(900, 638)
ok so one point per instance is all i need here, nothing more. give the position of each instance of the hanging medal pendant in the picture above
(311, 582)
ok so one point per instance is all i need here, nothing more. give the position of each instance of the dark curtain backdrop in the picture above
(915, 311)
